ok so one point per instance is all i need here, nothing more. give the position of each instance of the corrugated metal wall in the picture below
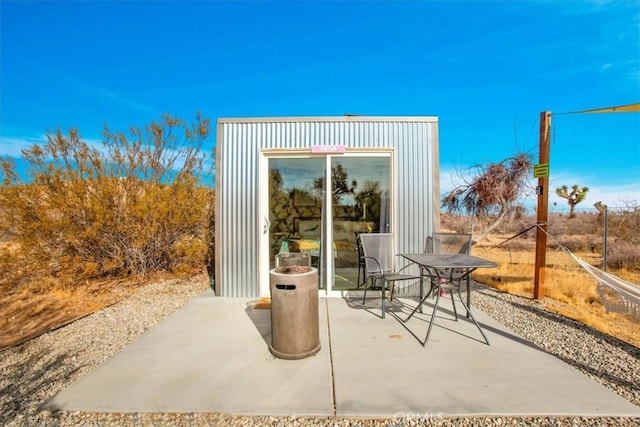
(414, 141)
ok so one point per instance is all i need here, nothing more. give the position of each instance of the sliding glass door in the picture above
(318, 202)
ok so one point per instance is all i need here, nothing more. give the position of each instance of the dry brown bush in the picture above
(621, 254)
(455, 223)
(515, 226)
(623, 243)
(582, 224)
(577, 243)
(624, 223)
(135, 207)
(465, 224)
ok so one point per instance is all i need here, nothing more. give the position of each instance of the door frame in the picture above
(263, 209)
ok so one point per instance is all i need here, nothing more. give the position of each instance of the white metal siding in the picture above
(413, 139)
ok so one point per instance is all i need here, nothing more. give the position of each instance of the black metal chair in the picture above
(379, 256)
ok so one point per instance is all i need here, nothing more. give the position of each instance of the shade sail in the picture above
(619, 109)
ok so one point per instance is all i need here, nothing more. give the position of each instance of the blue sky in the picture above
(485, 68)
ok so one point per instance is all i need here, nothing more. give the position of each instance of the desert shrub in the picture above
(577, 243)
(455, 223)
(622, 254)
(135, 206)
(12, 268)
(515, 226)
(624, 223)
(464, 224)
(582, 224)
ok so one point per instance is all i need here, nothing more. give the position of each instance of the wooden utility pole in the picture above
(541, 170)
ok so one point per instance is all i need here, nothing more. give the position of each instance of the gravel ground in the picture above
(33, 372)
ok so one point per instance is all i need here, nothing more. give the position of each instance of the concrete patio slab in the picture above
(213, 356)
(456, 374)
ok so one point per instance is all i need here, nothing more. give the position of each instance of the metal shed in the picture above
(311, 183)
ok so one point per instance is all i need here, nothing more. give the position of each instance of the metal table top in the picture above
(442, 261)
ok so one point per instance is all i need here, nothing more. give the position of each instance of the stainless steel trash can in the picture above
(295, 332)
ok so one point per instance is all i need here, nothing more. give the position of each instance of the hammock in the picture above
(627, 295)
(629, 301)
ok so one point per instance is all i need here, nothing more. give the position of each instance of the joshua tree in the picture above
(601, 207)
(575, 196)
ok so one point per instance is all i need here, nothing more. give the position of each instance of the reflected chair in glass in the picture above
(380, 263)
(450, 279)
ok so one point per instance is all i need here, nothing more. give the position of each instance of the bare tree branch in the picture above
(494, 190)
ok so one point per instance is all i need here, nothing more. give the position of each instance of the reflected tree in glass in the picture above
(279, 206)
(369, 203)
(339, 180)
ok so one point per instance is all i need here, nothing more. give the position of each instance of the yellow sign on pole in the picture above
(541, 170)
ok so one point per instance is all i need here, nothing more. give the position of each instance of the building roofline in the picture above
(338, 119)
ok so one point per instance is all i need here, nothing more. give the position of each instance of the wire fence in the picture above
(611, 236)
(564, 209)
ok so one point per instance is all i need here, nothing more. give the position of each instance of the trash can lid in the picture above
(293, 258)
(293, 269)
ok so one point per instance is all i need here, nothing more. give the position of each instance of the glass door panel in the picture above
(296, 188)
(359, 204)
